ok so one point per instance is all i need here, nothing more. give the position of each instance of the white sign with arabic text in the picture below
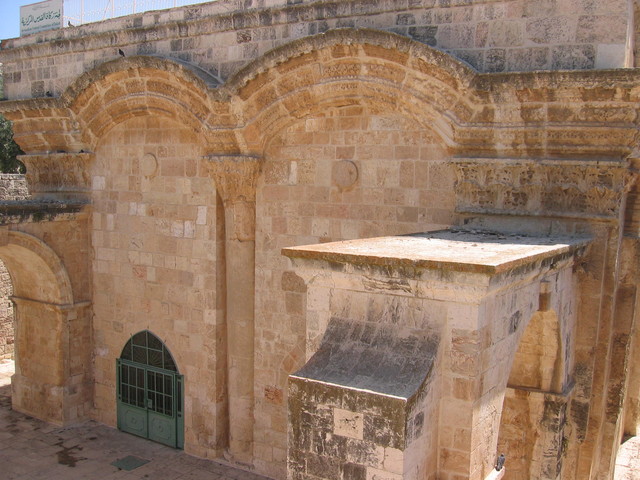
(41, 16)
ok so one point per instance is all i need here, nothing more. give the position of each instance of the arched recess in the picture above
(293, 101)
(118, 90)
(534, 408)
(138, 86)
(353, 67)
(44, 311)
(6, 315)
(37, 273)
(538, 362)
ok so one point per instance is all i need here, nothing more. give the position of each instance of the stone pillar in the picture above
(52, 380)
(235, 178)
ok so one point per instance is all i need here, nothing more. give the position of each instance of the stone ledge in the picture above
(28, 211)
(470, 251)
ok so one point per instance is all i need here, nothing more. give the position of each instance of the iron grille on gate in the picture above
(150, 391)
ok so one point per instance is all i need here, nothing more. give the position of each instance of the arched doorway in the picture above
(52, 379)
(534, 409)
(150, 391)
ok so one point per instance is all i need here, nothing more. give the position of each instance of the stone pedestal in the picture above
(434, 320)
(53, 352)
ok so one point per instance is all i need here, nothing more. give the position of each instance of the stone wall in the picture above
(347, 173)
(156, 267)
(6, 315)
(635, 39)
(197, 185)
(472, 319)
(12, 187)
(221, 37)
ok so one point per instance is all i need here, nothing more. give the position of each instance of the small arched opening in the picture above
(46, 323)
(150, 391)
(534, 407)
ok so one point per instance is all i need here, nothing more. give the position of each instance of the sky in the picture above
(93, 10)
(10, 17)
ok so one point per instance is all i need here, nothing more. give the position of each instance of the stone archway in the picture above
(49, 326)
(534, 409)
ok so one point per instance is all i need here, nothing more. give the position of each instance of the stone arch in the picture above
(45, 319)
(538, 361)
(134, 86)
(534, 409)
(36, 271)
(353, 67)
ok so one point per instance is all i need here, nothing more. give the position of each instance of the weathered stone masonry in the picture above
(12, 187)
(166, 184)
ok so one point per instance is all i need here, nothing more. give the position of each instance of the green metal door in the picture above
(160, 407)
(150, 393)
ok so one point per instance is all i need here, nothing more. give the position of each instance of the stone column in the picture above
(53, 355)
(235, 178)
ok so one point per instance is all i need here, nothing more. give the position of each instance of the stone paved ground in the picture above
(34, 450)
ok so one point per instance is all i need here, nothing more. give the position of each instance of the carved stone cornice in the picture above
(58, 175)
(558, 188)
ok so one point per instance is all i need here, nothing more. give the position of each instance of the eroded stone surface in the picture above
(362, 129)
(457, 250)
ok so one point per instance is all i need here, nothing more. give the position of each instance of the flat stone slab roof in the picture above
(460, 250)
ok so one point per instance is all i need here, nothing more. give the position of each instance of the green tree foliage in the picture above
(9, 149)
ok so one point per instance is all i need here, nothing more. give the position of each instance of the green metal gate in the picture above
(150, 391)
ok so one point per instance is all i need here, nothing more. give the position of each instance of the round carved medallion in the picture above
(345, 174)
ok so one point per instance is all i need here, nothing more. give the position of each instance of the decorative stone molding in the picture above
(507, 115)
(549, 187)
(235, 177)
(58, 175)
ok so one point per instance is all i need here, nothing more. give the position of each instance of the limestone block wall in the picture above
(52, 379)
(336, 164)
(348, 173)
(343, 433)
(53, 341)
(12, 187)
(532, 433)
(156, 266)
(7, 336)
(579, 208)
(635, 40)
(222, 37)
